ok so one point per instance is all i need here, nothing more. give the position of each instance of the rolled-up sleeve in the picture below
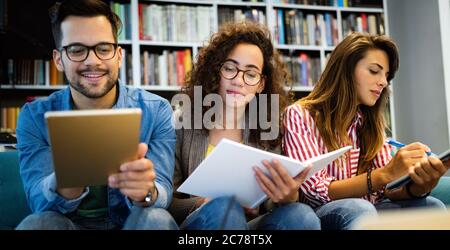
(36, 167)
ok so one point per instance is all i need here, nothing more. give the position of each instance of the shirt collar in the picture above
(67, 102)
(121, 101)
(358, 118)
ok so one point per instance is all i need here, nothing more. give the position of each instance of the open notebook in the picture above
(228, 171)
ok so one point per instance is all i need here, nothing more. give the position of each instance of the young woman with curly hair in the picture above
(239, 65)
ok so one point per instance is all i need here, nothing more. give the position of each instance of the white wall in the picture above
(444, 18)
(420, 91)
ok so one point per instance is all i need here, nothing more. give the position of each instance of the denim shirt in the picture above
(35, 156)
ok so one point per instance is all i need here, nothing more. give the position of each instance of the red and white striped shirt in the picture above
(302, 141)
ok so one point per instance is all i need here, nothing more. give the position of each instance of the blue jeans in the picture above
(226, 213)
(139, 218)
(341, 214)
(149, 219)
(222, 213)
(293, 216)
(427, 202)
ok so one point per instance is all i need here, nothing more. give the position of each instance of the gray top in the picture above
(190, 151)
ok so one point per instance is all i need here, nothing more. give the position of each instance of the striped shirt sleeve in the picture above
(383, 157)
(301, 143)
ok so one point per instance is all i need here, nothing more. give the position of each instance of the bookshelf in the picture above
(172, 32)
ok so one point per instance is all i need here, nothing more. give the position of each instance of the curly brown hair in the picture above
(205, 72)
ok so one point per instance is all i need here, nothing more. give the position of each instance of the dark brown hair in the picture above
(205, 71)
(333, 102)
(85, 8)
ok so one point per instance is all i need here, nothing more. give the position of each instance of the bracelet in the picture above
(408, 191)
(369, 181)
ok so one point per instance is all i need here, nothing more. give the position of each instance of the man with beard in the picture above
(85, 34)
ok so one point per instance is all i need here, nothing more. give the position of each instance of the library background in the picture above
(161, 39)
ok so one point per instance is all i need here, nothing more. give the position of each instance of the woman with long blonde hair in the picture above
(347, 108)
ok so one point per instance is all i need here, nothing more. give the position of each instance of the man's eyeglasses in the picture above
(78, 52)
(230, 71)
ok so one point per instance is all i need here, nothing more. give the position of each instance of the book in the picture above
(228, 171)
(123, 67)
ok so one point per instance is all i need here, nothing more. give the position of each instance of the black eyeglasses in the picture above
(251, 77)
(78, 52)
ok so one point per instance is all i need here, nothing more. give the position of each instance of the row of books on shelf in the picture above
(337, 3)
(298, 27)
(177, 23)
(10, 115)
(126, 69)
(167, 68)
(301, 28)
(308, 2)
(305, 70)
(9, 118)
(183, 23)
(124, 13)
(238, 15)
(30, 72)
(162, 68)
(243, 1)
(42, 72)
(359, 3)
(372, 24)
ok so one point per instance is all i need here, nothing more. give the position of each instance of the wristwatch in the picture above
(149, 199)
